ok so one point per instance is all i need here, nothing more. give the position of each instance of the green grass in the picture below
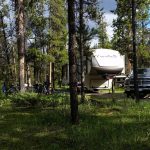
(104, 125)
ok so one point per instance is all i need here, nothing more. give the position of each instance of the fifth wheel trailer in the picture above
(104, 64)
(101, 67)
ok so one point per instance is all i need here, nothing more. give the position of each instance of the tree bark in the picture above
(72, 62)
(53, 77)
(5, 39)
(20, 41)
(136, 92)
(50, 75)
(81, 51)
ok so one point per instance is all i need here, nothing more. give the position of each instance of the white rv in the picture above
(103, 66)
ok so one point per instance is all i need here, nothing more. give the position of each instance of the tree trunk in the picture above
(81, 51)
(136, 92)
(28, 75)
(53, 76)
(5, 49)
(14, 64)
(72, 62)
(50, 75)
(5, 39)
(113, 90)
(20, 41)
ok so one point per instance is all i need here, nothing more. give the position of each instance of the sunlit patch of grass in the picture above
(41, 134)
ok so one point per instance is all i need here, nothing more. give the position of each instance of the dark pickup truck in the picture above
(143, 83)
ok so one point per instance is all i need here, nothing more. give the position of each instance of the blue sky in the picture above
(107, 6)
(110, 5)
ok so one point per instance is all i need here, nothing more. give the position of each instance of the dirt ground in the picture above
(107, 94)
(116, 95)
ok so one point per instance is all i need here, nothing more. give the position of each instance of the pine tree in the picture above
(86, 12)
(48, 21)
(6, 46)
(122, 39)
(102, 33)
(57, 36)
(19, 5)
(72, 62)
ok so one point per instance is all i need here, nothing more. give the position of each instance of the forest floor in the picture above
(104, 125)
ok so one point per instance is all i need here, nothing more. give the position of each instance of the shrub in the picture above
(34, 100)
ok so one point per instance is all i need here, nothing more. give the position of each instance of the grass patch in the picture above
(104, 125)
(37, 100)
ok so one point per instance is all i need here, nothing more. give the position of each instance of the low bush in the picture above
(37, 100)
